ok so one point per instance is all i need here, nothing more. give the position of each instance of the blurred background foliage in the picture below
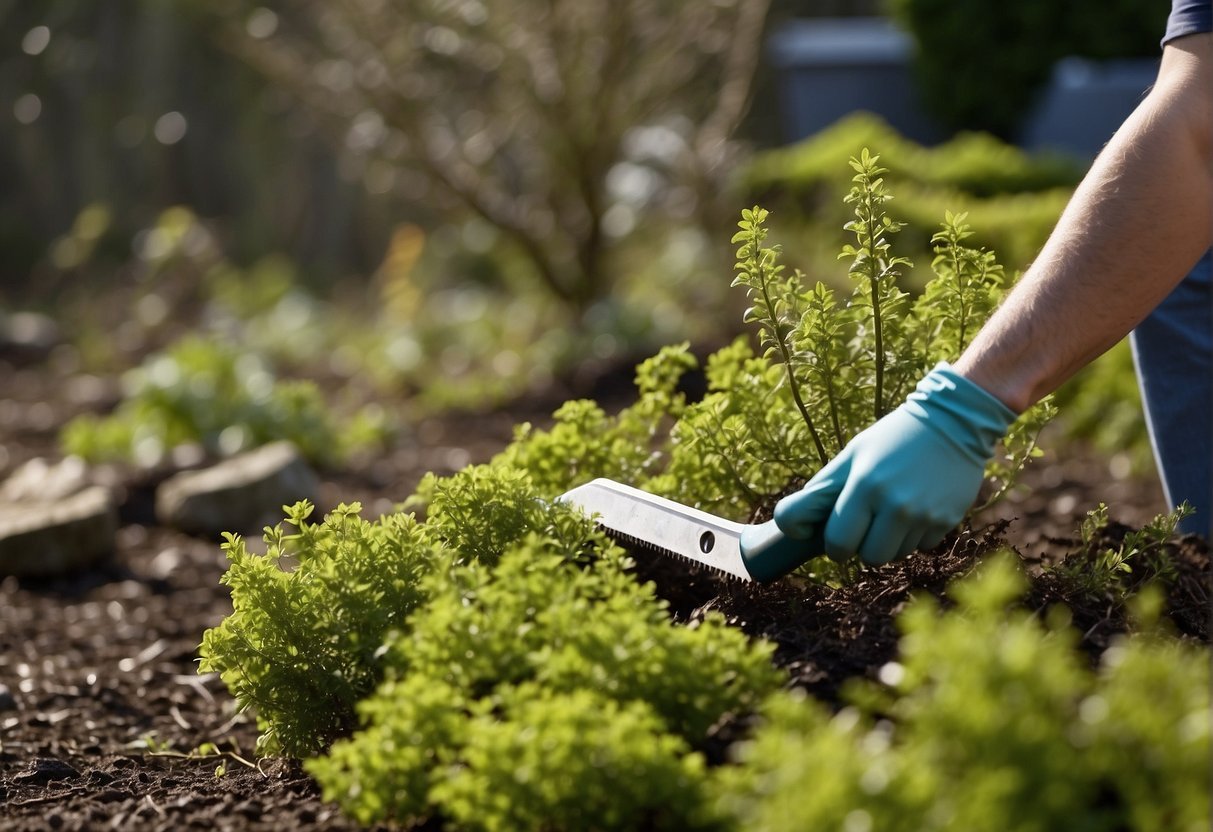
(133, 107)
(1013, 198)
(562, 126)
(980, 65)
(459, 201)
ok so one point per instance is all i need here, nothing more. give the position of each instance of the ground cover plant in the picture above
(206, 393)
(510, 671)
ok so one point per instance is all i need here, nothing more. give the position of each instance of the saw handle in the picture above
(769, 554)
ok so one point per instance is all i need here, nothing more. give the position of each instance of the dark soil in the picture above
(103, 714)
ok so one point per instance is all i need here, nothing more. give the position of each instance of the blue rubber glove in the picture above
(907, 480)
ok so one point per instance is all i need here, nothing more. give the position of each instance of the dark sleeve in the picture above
(1187, 18)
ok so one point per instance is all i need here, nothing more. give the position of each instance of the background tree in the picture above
(561, 123)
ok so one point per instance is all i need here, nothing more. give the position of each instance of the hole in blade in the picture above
(706, 541)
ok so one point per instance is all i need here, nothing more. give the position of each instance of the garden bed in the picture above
(106, 723)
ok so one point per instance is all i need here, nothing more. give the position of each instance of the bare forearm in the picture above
(1140, 219)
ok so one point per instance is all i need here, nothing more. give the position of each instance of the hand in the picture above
(907, 480)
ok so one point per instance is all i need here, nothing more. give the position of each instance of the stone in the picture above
(28, 336)
(46, 538)
(242, 494)
(41, 481)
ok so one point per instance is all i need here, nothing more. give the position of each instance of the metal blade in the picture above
(661, 524)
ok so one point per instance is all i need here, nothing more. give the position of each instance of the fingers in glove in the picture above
(848, 524)
(803, 515)
(886, 539)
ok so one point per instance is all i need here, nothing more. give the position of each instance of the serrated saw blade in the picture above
(657, 523)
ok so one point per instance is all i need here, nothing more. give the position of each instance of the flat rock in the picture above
(241, 494)
(41, 481)
(45, 538)
(28, 336)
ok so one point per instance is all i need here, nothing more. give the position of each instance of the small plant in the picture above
(989, 716)
(305, 640)
(203, 392)
(302, 645)
(1104, 567)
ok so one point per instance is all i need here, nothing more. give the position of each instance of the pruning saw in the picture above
(749, 552)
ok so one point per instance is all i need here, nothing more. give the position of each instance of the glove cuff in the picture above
(964, 412)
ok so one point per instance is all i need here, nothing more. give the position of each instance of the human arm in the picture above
(1141, 217)
(1138, 221)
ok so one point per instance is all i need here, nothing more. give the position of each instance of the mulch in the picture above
(103, 715)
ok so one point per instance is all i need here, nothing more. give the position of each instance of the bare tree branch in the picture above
(517, 109)
(740, 68)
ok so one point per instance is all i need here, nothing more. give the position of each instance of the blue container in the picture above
(831, 67)
(1084, 104)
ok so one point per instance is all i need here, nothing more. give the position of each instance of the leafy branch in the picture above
(968, 285)
(872, 261)
(775, 304)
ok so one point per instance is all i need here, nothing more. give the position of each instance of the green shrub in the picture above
(205, 392)
(305, 641)
(550, 660)
(1013, 198)
(991, 719)
(975, 164)
(981, 66)
(302, 644)
(574, 760)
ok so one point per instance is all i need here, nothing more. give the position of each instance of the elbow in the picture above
(1185, 88)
